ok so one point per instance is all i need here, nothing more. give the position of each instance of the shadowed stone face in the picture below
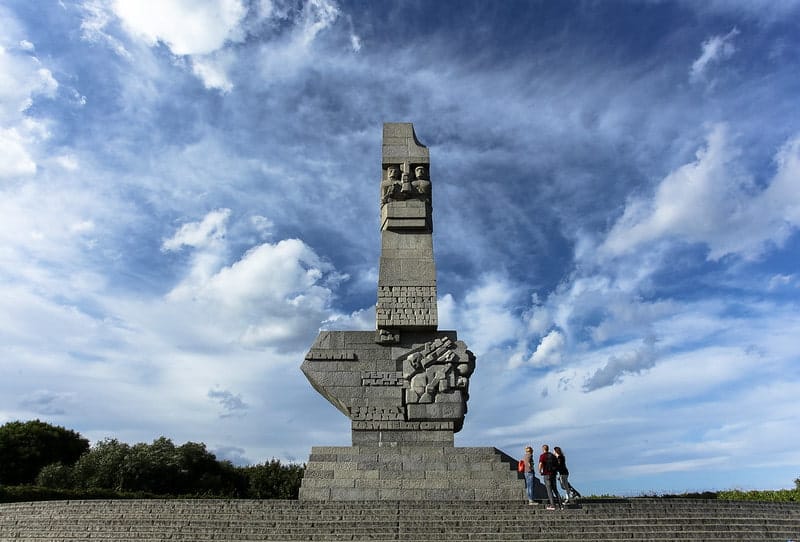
(405, 382)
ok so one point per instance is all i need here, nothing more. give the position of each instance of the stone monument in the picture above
(405, 385)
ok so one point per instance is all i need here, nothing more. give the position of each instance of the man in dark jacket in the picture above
(548, 468)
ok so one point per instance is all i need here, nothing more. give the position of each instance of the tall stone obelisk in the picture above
(405, 385)
(407, 276)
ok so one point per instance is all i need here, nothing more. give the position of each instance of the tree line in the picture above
(35, 453)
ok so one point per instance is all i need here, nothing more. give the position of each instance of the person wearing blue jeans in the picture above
(529, 474)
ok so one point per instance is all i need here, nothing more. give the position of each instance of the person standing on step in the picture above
(530, 477)
(563, 476)
(548, 468)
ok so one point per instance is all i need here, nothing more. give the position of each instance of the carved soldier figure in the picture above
(421, 184)
(391, 185)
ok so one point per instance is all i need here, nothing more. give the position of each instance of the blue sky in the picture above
(188, 193)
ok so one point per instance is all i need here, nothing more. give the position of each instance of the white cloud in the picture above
(286, 55)
(25, 45)
(780, 281)
(715, 50)
(486, 315)
(212, 71)
(273, 295)
(15, 160)
(22, 80)
(550, 351)
(187, 27)
(93, 26)
(711, 201)
(262, 225)
(355, 42)
(317, 16)
(198, 30)
(208, 231)
(204, 32)
(67, 161)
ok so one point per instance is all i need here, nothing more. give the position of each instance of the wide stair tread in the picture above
(409, 521)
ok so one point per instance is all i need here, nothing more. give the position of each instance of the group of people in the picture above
(550, 466)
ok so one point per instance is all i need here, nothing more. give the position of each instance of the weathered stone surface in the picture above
(474, 514)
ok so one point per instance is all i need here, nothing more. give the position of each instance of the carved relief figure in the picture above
(421, 184)
(390, 185)
(404, 188)
(436, 369)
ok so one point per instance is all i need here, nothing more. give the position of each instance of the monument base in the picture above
(402, 438)
(402, 471)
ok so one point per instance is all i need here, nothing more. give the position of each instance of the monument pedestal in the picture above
(411, 472)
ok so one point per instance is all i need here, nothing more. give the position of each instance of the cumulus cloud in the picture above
(550, 350)
(187, 27)
(711, 201)
(715, 50)
(487, 314)
(209, 231)
(273, 295)
(204, 32)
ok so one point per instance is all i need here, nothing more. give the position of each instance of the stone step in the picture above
(411, 521)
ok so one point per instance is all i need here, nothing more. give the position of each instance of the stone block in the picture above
(425, 483)
(391, 483)
(354, 494)
(393, 154)
(412, 474)
(317, 457)
(321, 474)
(331, 483)
(436, 411)
(402, 494)
(397, 129)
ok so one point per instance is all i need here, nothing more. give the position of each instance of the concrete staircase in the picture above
(409, 521)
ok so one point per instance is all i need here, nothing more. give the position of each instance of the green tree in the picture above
(152, 467)
(159, 467)
(102, 466)
(273, 480)
(201, 473)
(56, 476)
(26, 447)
